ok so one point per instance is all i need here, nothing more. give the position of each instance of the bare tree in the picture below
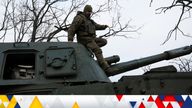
(184, 64)
(34, 19)
(43, 20)
(5, 21)
(117, 29)
(186, 6)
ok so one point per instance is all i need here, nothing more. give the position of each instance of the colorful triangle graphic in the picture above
(180, 104)
(132, 103)
(141, 105)
(150, 99)
(12, 102)
(36, 103)
(75, 105)
(169, 105)
(4, 98)
(9, 97)
(119, 96)
(187, 103)
(179, 98)
(159, 103)
(2, 106)
(17, 106)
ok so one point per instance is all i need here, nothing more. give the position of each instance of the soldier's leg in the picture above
(98, 53)
(100, 42)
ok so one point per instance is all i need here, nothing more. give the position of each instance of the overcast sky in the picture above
(150, 38)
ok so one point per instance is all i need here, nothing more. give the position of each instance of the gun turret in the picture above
(134, 64)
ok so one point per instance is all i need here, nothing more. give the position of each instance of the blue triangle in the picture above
(162, 97)
(17, 106)
(132, 103)
(9, 97)
(187, 103)
(179, 98)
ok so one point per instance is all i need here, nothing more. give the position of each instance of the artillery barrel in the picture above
(134, 64)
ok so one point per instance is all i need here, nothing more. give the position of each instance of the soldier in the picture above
(85, 28)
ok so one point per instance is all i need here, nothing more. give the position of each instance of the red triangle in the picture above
(169, 98)
(119, 96)
(169, 105)
(180, 103)
(150, 99)
(159, 103)
(141, 105)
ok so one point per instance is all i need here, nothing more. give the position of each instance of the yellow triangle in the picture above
(76, 105)
(4, 98)
(2, 106)
(36, 103)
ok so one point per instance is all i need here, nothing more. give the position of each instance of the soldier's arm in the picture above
(77, 21)
(100, 27)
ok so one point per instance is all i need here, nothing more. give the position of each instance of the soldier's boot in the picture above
(104, 65)
(102, 62)
(108, 70)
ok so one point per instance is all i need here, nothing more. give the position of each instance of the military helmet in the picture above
(88, 8)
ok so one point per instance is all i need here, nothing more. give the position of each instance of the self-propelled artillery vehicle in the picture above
(69, 68)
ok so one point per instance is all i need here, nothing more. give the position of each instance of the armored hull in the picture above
(69, 68)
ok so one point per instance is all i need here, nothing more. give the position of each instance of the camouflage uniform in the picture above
(85, 28)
